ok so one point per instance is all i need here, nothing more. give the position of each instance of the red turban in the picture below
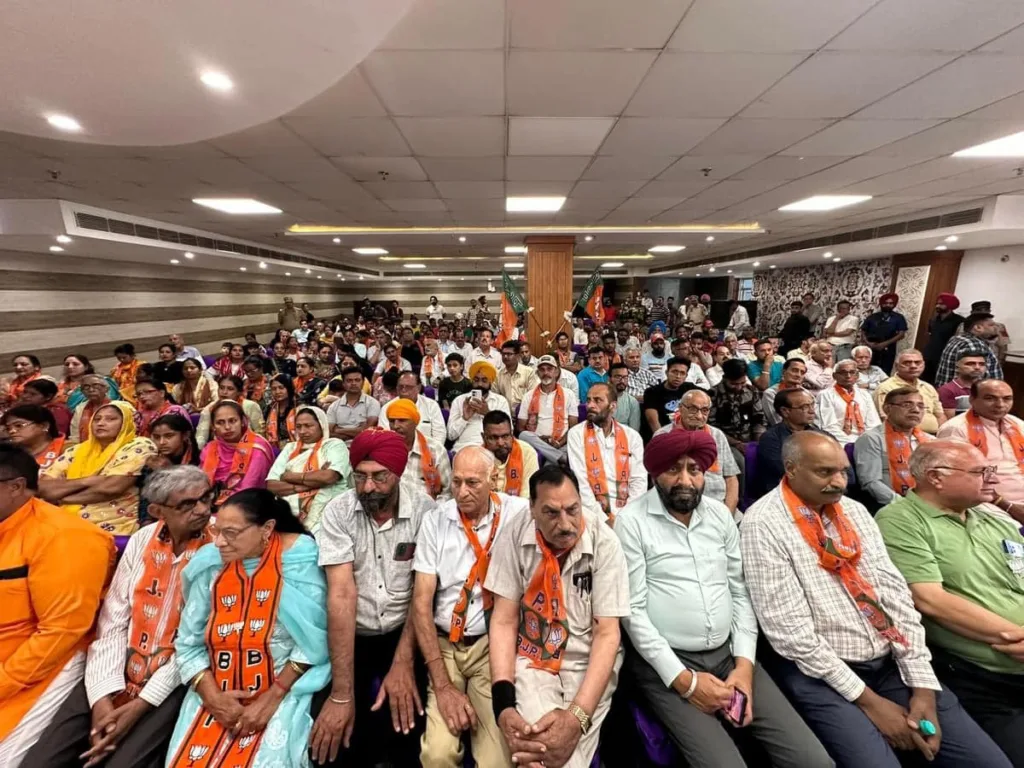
(950, 301)
(666, 449)
(893, 296)
(386, 448)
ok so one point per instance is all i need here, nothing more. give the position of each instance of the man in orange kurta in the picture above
(53, 571)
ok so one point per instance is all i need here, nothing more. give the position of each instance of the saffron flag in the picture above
(512, 304)
(592, 297)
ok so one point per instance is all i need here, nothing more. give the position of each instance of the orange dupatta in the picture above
(543, 626)
(514, 470)
(312, 465)
(50, 452)
(976, 436)
(853, 417)
(238, 637)
(596, 475)
(156, 609)
(477, 574)
(272, 426)
(255, 391)
(431, 474)
(18, 385)
(840, 556)
(558, 423)
(898, 450)
(244, 450)
(124, 376)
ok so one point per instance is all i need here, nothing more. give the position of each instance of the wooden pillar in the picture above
(548, 287)
(919, 278)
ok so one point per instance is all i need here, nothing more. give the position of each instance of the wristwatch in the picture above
(577, 711)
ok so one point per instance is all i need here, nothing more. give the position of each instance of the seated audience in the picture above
(326, 363)
(844, 410)
(236, 458)
(355, 410)
(428, 469)
(280, 414)
(450, 611)
(455, 383)
(26, 368)
(819, 368)
(627, 409)
(195, 391)
(43, 392)
(390, 361)
(56, 569)
(764, 370)
(525, 356)
(736, 410)
(76, 368)
(249, 692)
(32, 428)
(990, 427)
(596, 371)
(465, 422)
(124, 710)
(376, 681)
(175, 441)
(484, 351)
(719, 356)
(661, 401)
(257, 382)
(655, 360)
(955, 395)
(95, 479)
(96, 393)
(312, 469)
(882, 454)
(793, 372)
(123, 374)
(229, 388)
(181, 351)
(555, 650)
(909, 367)
(431, 421)
(514, 378)
(432, 369)
(516, 460)
(231, 364)
(153, 402)
(308, 386)
(167, 369)
(567, 358)
(692, 627)
(979, 331)
(868, 376)
(795, 409)
(608, 455)
(851, 652)
(547, 413)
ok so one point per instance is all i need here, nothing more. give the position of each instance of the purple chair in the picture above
(658, 745)
(849, 452)
(209, 360)
(430, 392)
(194, 418)
(583, 412)
(120, 542)
(445, 412)
(749, 472)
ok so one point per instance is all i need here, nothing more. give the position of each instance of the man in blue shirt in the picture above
(764, 371)
(596, 372)
(882, 330)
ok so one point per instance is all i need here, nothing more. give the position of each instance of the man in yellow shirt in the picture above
(909, 367)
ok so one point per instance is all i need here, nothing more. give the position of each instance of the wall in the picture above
(985, 277)
(860, 282)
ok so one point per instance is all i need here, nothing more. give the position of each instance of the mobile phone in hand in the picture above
(477, 394)
(737, 709)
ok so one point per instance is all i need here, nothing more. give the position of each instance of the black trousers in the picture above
(995, 700)
(145, 746)
(374, 739)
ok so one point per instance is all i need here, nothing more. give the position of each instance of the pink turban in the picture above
(384, 447)
(666, 449)
(950, 301)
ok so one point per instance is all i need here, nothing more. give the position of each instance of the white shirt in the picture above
(435, 311)
(739, 319)
(465, 352)
(848, 323)
(579, 337)
(635, 486)
(831, 412)
(493, 357)
(818, 377)
(440, 370)
(695, 375)
(413, 478)
(546, 409)
(471, 432)
(568, 380)
(442, 550)
(431, 419)
(403, 365)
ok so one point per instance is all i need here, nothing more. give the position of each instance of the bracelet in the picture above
(197, 678)
(503, 696)
(693, 684)
(277, 682)
(299, 669)
(580, 714)
(339, 701)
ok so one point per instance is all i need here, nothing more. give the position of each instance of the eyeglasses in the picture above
(16, 426)
(696, 409)
(188, 505)
(229, 534)
(379, 478)
(983, 472)
(911, 406)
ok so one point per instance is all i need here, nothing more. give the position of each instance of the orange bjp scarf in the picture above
(976, 436)
(853, 417)
(477, 574)
(596, 475)
(238, 636)
(244, 450)
(431, 474)
(18, 384)
(840, 556)
(514, 470)
(898, 450)
(272, 426)
(124, 376)
(255, 390)
(50, 453)
(559, 422)
(543, 625)
(312, 465)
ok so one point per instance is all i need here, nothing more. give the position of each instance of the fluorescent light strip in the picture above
(691, 229)
(235, 205)
(666, 248)
(370, 251)
(825, 202)
(1008, 146)
(534, 204)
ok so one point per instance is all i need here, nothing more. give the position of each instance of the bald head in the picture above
(694, 409)
(991, 399)
(472, 475)
(473, 459)
(816, 467)
(952, 475)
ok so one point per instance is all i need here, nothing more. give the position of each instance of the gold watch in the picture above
(577, 711)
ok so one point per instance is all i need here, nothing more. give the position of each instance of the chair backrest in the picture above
(209, 360)
(194, 418)
(430, 392)
(749, 473)
(583, 412)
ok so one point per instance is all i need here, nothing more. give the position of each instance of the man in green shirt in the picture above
(965, 568)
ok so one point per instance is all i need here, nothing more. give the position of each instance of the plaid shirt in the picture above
(807, 614)
(955, 348)
(639, 381)
(739, 415)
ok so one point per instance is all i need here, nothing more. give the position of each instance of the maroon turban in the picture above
(666, 449)
(385, 447)
(950, 301)
(893, 296)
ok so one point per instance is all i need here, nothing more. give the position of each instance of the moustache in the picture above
(829, 489)
(374, 501)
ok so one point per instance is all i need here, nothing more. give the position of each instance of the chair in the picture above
(194, 418)
(209, 360)
(583, 412)
(445, 412)
(749, 473)
(658, 746)
(430, 392)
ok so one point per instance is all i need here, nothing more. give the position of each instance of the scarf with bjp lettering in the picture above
(976, 436)
(514, 470)
(477, 574)
(853, 418)
(50, 453)
(428, 465)
(558, 422)
(898, 449)
(597, 478)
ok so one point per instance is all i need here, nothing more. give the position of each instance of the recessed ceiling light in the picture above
(175, 261)
(189, 255)
(462, 238)
(287, 274)
(827, 255)
(950, 239)
(319, 277)
(711, 269)
(937, 248)
(243, 269)
(343, 279)
(218, 81)
(63, 239)
(771, 266)
(236, 205)
(698, 274)
(337, 240)
(370, 251)
(338, 275)
(756, 264)
(361, 277)
(56, 248)
(263, 265)
(415, 266)
(64, 123)
(534, 204)
(462, 279)
(309, 271)
(728, 271)
(515, 249)
(589, 238)
(513, 265)
(837, 259)
(612, 264)
(825, 202)
(440, 279)
(666, 248)
(1008, 146)
(709, 239)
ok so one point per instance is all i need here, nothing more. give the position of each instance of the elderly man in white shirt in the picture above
(607, 455)
(691, 623)
(845, 410)
(841, 331)
(466, 417)
(431, 419)
(485, 351)
(450, 611)
(536, 416)
(428, 469)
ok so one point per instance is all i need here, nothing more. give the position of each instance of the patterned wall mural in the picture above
(911, 283)
(860, 282)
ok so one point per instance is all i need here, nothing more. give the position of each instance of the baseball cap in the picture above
(547, 360)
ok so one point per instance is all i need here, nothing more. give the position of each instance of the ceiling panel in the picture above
(782, 168)
(266, 139)
(538, 187)
(594, 24)
(707, 84)
(454, 136)
(606, 189)
(757, 135)
(854, 137)
(545, 168)
(438, 83)
(949, 137)
(464, 168)
(714, 167)
(627, 167)
(381, 168)
(289, 167)
(557, 135)
(373, 136)
(471, 189)
(351, 96)
(450, 25)
(400, 189)
(414, 204)
(657, 135)
(681, 189)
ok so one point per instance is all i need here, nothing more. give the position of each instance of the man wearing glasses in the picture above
(882, 454)
(795, 408)
(965, 567)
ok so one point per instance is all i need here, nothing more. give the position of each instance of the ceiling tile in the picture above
(349, 97)
(557, 135)
(707, 84)
(371, 168)
(552, 187)
(1011, 108)
(783, 168)
(858, 169)
(471, 189)
(450, 25)
(728, 192)
(545, 168)
(930, 170)
(930, 25)
(414, 204)
(836, 84)
(290, 167)
(372, 136)
(657, 135)
(947, 138)
(753, 25)
(464, 168)
(681, 189)
(267, 139)
(627, 167)
(574, 83)
(741, 136)
(454, 136)
(717, 167)
(650, 205)
(968, 83)
(853, 137)
(592, 25)
(438, 83)
(394, 190)
(605, 188)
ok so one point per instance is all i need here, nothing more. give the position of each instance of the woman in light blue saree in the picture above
(252, 642)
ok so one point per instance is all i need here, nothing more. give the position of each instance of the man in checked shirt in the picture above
(851, 649)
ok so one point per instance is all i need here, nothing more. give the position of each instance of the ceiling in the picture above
(648, 112)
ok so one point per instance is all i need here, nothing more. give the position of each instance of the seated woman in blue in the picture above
(252, 642)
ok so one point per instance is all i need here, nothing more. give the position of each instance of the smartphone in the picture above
(737, 710)
(477, 394)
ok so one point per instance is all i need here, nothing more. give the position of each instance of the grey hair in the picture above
(164, 483)
(793, 448)
(481, 453)
(844, 362)
(860, 347)
(688, 396)
(906, 352)
(933, 454)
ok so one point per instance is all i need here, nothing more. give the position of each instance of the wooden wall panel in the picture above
(943, 271)
(549, 287)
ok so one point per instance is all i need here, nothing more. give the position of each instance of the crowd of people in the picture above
(390, 540)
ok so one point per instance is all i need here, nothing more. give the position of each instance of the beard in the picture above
(679, 499)
(373, 502)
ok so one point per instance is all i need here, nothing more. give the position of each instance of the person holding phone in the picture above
(691, 622)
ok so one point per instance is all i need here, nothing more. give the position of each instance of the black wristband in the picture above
(503, 696)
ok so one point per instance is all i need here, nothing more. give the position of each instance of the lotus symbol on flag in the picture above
(197, 752)
(262, 595)
(255, 625)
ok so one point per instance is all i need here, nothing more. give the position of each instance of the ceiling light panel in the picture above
(534, 204)
(1008, 146)
(667, 248)
(235, 205)
(825, 202)
(370, 251)
(64, 123)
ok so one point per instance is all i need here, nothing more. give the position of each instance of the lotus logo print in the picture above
(255, 625)
(229, 601)
(149, 610)
(196, 753)
(225, 630)
(262, 595)
(245, 741)
(159, 558)
(135, 668)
